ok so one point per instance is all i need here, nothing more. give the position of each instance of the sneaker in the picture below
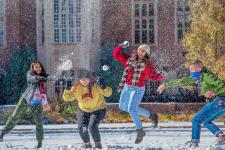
(98, 145)
(155, 119)
(87, 145)
(140, 136)
(191, 144)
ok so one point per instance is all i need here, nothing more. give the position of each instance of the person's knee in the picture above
(93, 127)
(197, 119)
(123, 108)
(82, 128)
(132, 110)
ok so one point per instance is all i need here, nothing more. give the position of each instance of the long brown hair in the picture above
(43, 73)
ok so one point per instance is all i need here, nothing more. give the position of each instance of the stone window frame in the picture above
(181, 15)
(4, 24)
(67, 21)
(147, 18)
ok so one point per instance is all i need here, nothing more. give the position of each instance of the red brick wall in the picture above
(20, 27)
(116, 20)
(116, 25)
(166, 107)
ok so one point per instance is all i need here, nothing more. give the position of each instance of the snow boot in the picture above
(140, 136)
(87, 145)
(39, 144)
(1, 137)
(191, 144)
(98, 145)
(155, 119)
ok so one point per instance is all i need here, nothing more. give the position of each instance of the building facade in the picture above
(17, 28)
(76, 29)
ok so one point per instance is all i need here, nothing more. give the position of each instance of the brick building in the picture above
(77, 28)
(17, 27)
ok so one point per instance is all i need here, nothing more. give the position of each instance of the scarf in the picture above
(138, 66)
(196, 76)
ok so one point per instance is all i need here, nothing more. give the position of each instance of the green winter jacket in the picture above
(209, 82)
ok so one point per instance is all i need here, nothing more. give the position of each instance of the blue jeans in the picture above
(205, 116)
(130, 99)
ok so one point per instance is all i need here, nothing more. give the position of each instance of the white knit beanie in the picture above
(145, 47)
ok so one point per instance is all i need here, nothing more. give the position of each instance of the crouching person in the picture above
(92, 106)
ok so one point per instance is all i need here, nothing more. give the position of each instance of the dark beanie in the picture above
(84, 73)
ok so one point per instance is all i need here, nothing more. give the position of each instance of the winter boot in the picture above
(191, 144)
(1, 137)
(140, 136)
(98, 145)
(154, 118)
(87, 145)
(39, 144)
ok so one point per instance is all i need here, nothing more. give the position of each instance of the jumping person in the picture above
(137, 70)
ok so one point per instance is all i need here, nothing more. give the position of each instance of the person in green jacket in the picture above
(214, 91)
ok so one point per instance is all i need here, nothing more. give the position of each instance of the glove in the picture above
(69, 85)
(101, 83)
(125, 44)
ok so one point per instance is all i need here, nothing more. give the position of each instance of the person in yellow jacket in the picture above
(90, 95)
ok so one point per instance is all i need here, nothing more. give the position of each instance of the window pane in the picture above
(137, 26)
(144, 36)
(63, 5)
(78, 6)
(71, 20)
(180, 5)
(78, 35)
(56, 20)
(136, 11)
(144, 10)
(63, 20)
(71, 6)
(56, 32)
(151, 36)
(144, 24)
(63, 35)
(151, 24)
(56, 6)
(137, 36)
(151, 9)
(71, 35)
(179, 24)
(78, 21)
(180, 35)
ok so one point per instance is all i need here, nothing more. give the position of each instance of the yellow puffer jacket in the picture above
(88, 102)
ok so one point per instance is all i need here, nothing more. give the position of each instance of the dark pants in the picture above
(19, 111)
(90, 121)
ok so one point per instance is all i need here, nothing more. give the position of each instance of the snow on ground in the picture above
(169, 136)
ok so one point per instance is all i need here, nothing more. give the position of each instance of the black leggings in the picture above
(91, 121)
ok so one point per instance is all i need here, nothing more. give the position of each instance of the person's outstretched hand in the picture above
(161, 88)
(125, 44)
